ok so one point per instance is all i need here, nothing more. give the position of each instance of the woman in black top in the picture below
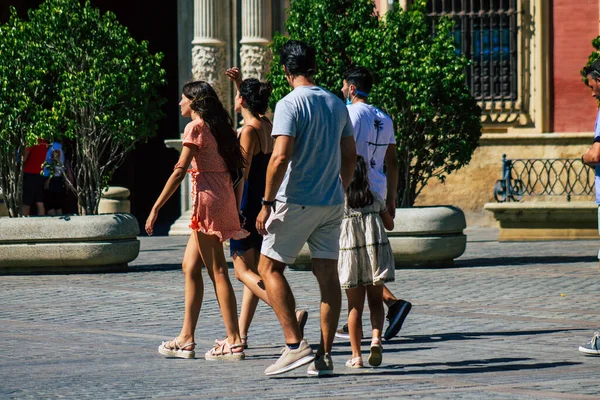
(251, 101)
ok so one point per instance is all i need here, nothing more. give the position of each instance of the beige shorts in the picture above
(292, 225)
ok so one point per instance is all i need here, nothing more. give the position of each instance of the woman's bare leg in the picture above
(246, 272)
(211, 250)
(194, 292)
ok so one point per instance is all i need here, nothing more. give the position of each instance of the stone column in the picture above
(256, 35)
(208, 48)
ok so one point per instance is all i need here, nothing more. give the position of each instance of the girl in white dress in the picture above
(366, 261)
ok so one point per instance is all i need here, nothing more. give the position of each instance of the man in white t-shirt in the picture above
(376, 143)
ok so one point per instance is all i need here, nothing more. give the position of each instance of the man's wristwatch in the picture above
(267, 203)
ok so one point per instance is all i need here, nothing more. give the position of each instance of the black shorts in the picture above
(54, 196)
(33, 189)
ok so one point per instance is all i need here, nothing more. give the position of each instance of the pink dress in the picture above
(214, 210)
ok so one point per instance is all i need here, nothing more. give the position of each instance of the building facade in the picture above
(526, 56)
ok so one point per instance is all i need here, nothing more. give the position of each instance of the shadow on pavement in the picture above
(499, 261)
(365, 353)
(160, 267)
(153, 267)
(481, 366)
(443, 337)
(471, 367)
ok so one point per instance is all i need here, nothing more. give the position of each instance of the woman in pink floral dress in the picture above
(210, 145)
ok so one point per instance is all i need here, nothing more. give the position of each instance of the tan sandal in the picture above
(243, 338)
(376, 356)
(177, 350)
(356, 362)
(226, 351)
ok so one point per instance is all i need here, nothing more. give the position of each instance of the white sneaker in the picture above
(291, 359)
(593, 347)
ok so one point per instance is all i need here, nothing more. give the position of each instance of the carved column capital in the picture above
(208, 64)
(255, 61)
(256, 36)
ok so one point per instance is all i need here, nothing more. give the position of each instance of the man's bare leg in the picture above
(388, 297)
(280, 296)
(331, 300)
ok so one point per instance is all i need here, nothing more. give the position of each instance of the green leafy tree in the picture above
(24, 115)
(102, 87)
(422, 86)
(592, 57)
(328, 26)
(420, 81)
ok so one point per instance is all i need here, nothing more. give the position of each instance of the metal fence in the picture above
(543, 177)
(486, 32)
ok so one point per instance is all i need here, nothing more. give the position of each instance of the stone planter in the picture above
(428, 236)
(115, 199)
(422, 236)
(68, 243)
(538, 221)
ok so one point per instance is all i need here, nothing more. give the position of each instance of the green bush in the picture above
(592, 57)
(100, 89)
(420, 80)
(24, 114)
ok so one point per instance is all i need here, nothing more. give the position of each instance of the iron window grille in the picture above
(486, 32)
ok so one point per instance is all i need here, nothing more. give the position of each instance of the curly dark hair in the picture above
(256, 94)
(207, 104)
(359, 193)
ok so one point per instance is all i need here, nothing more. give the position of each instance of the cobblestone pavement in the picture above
(504, 323)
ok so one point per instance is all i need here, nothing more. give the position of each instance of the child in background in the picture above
(366, 261)
(55, 190)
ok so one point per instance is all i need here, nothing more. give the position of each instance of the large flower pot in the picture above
(114, 199)
(422, 236)
(69, 243)
(428, 236)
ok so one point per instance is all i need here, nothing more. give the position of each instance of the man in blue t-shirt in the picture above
(311, 166)
(592, 158)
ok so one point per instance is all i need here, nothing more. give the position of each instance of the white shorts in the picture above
(292, 225)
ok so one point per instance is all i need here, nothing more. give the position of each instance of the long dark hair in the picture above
(207, 104)
(359, 192)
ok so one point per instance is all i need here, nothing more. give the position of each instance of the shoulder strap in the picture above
(257, 136)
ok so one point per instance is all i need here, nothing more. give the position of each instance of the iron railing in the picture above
(486, 32)
(543, 177)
